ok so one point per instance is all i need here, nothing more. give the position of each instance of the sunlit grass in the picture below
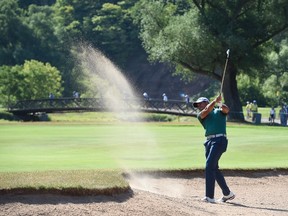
(89, 157)
(41, 146)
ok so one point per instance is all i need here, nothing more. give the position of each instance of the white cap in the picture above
(200, 100)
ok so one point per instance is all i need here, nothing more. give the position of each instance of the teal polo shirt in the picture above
(214, 122)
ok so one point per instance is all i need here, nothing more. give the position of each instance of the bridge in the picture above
(28, 108)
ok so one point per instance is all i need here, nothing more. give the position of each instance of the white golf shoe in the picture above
(230, 196)
(209, 200)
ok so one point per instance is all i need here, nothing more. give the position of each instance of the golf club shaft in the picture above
(223, 76)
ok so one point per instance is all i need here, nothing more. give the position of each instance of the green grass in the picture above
(87, 157)
(256, 147)
(49, 146)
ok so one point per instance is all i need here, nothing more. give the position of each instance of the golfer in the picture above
(214, 122)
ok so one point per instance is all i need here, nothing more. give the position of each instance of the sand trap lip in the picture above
(257, 193)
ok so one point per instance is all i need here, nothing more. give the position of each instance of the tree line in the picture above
(38, 39)
(48, 32)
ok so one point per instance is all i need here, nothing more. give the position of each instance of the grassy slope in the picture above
(72, 182)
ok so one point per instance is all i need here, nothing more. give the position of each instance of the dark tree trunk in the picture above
(231, 96)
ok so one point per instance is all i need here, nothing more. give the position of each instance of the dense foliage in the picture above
(50, 31)
(192, 36)
(195, 39)
(33, 80)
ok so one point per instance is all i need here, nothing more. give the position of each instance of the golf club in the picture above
(223, 76)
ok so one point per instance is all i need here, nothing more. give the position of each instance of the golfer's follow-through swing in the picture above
(213, 119)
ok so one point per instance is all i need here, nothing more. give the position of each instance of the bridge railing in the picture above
(57, 104)
(174, 107)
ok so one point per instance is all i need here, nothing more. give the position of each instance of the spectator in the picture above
(165, 98)
(187, 100)
(146, 96)
(286, 107)
(272, 116)
(76, 94)
(254, 109)
(283, 116)
(248, 110)
(51, 96)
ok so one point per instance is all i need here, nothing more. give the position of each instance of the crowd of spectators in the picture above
(252, 110)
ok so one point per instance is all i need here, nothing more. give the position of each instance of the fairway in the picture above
(62, 146)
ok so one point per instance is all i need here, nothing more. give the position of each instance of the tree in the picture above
(112, 28)
(52, 42)
(10, 88)
(106, 25)
(196, 38)
(251, 89)
(39, 80)
(32, 80)
(271, 88)
(15, 36)
(275, 87)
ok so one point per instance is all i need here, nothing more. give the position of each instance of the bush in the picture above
(158, 118)
(7, 116)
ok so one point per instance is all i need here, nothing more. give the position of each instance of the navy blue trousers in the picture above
(215, 147)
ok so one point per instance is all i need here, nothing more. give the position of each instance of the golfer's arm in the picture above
(207, 109)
